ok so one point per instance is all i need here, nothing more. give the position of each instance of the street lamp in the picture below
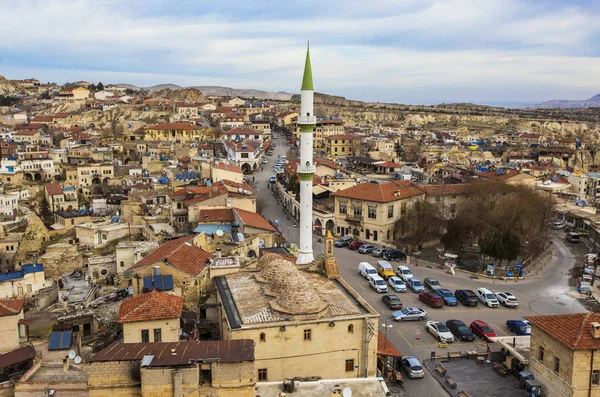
(385, 328)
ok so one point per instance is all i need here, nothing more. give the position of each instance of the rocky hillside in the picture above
(191, 95)
(567, 104)
(8, 87)
(244, 93)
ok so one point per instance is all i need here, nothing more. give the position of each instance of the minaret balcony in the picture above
(307, 120)
(306, 169)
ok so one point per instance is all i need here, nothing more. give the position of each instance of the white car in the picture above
(487, 297)
(397, 284)
(378, 284)
(507, 299)
(440, 331)
(404, 273)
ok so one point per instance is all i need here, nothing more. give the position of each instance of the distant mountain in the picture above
(566, 104)
(219, 91)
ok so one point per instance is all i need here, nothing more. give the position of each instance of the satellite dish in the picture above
(229, 199)
(219, 233)
(240, 190)
(72, 354)
(347, 392)
(78, 361)
(228, 205)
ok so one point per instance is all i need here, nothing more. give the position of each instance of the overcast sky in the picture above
(406, 51)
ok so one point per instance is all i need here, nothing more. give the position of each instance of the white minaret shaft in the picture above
(306, 168)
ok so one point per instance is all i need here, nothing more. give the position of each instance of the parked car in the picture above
(392, 302)
(447, 296)
(466, 297)
(403, 272)
(507, 299)
(377, 252)
(482, 330)
(432, 284)
(384, 269)
(415, 285)
(412, 367)
(393, 255)
(354, 245)
(460, 330)
(397, 284)
(265, 161)
(487, 297)
(378, 284)
(519, 327)
(344, 241)
(439, 331)
(366, 270)
(410, 314)
(273, 178)
(558, 225)
(573, 237)
(431, 299)
(365, 249)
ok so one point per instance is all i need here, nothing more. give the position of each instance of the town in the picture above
(159, 242)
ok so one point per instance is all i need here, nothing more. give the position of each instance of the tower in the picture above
(306, 168)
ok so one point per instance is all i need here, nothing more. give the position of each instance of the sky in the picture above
(403, 51)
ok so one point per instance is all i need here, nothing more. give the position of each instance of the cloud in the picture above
(380, 50)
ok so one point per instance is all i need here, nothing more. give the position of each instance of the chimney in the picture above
(66, 364)
(595, 331)
(218, 254)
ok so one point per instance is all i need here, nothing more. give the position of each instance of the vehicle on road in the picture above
(573, 237)
(410, 314)
(378, 284)
(265, 161)
(270, 153)
(384, 269)
(558, 225)
(460, 330)
(366, 270)
(393, 255)
(439, 331)
(415, 285)
(466, 297)
(273, 178)
(431, 299)
(487, 297)
(343, 242)
(507, 299)
(482, 330)
(377, 252)
(519, 327)
(403, 272)
(432, 284)
(447, 296)
(397, 284)
(365, 249)
(392, 302)
(354, 245)
(412, 367)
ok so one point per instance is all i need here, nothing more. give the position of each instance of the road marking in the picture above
(362, 287)
(501, 330)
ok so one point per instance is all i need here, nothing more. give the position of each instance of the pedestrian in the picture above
(252, 179)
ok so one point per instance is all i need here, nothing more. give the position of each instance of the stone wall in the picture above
(552, 385)
(61, 260)
(170, 330)
(182, 382)
(114, 379)
(234, 376)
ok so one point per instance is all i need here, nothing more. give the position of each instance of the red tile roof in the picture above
(151, 306)
(236, 185)
(572, 330)
(382, 192)
(215, 215)
(11, 307)
(388, 164)
(253, 220)
(198, 191)
(227, 167)
(343, 136)
(180, 254)
(42, 119)
(54, 189)
(242, 131)
(25, 133)
(508, 173)
(174, 126)
(385, 347)
(444, 190)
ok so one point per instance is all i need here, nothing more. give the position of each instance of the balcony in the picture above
(354, 218)
(307, 120)
(306, 169)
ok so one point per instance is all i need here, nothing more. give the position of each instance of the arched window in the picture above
(263, 337)
(351, 328)
(178, 206)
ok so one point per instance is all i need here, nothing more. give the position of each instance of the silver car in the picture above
(377, 252)
(409, 313)
(412, 367)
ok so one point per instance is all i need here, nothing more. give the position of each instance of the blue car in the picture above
(415, 285)
(519, 327)
(447, 295)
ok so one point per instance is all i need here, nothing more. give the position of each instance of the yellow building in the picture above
(370, 211)
(80, 93)
(87, 175)
(11, 311)
(564, 354)
(343, 145)
(512, 177)
(151, 317)
(302, 323)
(182, 132)
(324, 129)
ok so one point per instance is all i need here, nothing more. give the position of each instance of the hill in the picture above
(8, 87)
(182, 94)
(210, 90)
(566, 104)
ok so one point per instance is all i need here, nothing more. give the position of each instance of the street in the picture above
(548, 293)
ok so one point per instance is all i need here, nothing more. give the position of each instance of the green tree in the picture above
(294, 184)
(91, 87)
(100, 86)
(502, 245)
(45, 211)
(423, 222)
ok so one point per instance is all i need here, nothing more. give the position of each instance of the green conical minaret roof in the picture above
(307, 82)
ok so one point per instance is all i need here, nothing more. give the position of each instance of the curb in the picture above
(437, 265)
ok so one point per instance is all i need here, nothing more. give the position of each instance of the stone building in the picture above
(11, 329)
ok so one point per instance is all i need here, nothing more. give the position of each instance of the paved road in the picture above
(548, 294)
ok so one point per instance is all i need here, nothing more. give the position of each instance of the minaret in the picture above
(306, 168)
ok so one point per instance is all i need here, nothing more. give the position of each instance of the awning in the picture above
(319, 189)
(385, 347)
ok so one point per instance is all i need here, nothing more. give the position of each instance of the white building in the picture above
(103, 95)
(247, 154)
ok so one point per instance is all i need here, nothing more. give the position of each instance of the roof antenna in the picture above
(308, 44)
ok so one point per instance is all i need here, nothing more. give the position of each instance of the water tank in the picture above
(156, 271)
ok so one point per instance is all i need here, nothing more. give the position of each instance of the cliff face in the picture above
(8, 87)
(191, 95)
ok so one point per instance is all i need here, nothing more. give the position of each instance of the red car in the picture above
(431, 299)
(482, 330)
(354, 245)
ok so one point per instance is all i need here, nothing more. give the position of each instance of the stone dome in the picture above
(266, 260)
(274, 269)
(297, 296)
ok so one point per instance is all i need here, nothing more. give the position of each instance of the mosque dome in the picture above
(273, 268)
(297, 296)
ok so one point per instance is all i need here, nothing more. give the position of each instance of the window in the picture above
(351, 328)
(349, 365)
(375, 235)
(262, 374)
(596, 377)
(28, 287)
(357, 210)
(452, 208)
(390, 211)
(122, 263)
(145, 336)
(343, 207)
(556, 365)
(157, 335)
(541, 354)
(372, 211)
(263, 337)
(389, 234)
(307, 334)
(403, 209)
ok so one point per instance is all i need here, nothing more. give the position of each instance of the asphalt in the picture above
(547, 293)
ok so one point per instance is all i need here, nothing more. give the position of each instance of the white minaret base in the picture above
(305, 254)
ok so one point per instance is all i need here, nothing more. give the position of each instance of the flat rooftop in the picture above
(362, 387)
(53, 373)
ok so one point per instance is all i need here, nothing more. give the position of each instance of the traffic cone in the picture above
(418, 335)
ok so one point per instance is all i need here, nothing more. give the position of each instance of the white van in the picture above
(573, 237)
(487, 297)
(378, 284)
(366, 270)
